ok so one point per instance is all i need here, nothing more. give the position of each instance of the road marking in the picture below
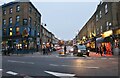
(1, 69)
(20, 62)
(59, 74)
(103, 58)
(92, 67)
(12, 73)
(54, 65)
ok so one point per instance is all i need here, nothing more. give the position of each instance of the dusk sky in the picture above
(64, 19)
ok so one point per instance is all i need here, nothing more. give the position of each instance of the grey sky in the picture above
(64, 19)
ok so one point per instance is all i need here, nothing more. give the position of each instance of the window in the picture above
(107, 25)
(30, 9)
(4, 22)
(25, 21)
(4, 31)
(100, 14)
(11, 32)
(4, 12)
(96, 17)
(18, 18)
(97, 30)
(106, 8)
(17, 8)
(10, 11)
(10, 20)
(17, 31)
(30, 20)
(101, 28)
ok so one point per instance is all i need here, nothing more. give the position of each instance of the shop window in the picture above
(17, 8)
(107, 25)
(17, 31)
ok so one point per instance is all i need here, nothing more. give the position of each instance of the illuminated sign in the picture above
(107, 33)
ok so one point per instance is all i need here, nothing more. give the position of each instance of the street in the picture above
(37, 66)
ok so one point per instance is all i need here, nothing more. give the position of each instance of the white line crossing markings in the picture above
(60, 74)
(1, 69)
(12, 73)
(20, 62)
(92, 67)
(54, 65)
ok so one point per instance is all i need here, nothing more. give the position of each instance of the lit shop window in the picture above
(11, 32)
(107, 25)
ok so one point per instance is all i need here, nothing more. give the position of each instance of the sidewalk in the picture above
(93, 54)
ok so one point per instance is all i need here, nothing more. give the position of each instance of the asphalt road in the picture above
(55, 66)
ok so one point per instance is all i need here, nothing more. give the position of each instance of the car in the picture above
(82, 49)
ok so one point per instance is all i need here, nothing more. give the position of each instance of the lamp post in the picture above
(94, 37)
(41, 39)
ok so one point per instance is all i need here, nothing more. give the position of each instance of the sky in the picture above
(64, 18)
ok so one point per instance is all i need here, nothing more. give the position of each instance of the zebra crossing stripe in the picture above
(12, 73)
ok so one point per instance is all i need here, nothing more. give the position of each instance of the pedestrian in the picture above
(97, 51)
(101, 50)
(65, 49)
(104, 49)
(43, 50)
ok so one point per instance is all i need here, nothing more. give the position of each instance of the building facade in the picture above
(22, 29)
(103, 28)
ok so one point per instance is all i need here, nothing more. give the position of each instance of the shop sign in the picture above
(107, 33)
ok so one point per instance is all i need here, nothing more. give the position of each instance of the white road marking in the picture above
(12, 73)
(103, 58)
(20, 62)
(59, 74)
(1, 69)
(92, 67)
(54, 65)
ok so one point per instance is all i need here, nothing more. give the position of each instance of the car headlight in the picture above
(88, 50)
(79, 51)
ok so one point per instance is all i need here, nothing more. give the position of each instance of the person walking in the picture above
(97, 51)
(104, 49)
(101, 50)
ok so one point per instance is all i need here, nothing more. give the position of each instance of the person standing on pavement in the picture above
(65, 49)
(101, 50)
(104, 49)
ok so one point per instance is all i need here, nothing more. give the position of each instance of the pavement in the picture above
(56, 54)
